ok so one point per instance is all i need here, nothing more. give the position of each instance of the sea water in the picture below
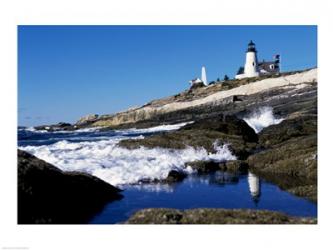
(97, 152)
(218, 190)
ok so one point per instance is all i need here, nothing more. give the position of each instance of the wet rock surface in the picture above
(48, 195)
(213, 216)
(175, 176)
(56, 127)
(204, 166)
(285, 151)
(204, 133)
(289, 156)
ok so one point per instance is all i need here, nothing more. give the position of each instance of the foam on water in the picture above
(117, 165)
(160, 128)
(262, 118)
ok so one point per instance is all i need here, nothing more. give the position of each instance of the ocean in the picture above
(97, 153)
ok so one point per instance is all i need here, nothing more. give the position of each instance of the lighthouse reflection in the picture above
(254, 187)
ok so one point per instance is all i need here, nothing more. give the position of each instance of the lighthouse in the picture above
(251, 62)
(253, 68)
(203, 75)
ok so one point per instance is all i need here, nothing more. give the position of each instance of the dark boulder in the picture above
(288, 129)
(48, 195)
(235, 166)
(175, 176)
(56, 127)
(204, 166)
(226, 124)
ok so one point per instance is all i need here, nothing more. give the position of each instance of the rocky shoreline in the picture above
(47, 195)
(232, 97)
(214, 216)
(284, 154)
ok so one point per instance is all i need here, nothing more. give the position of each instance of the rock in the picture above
(63, 124)
(204, 133)
(288, 155)
(287, 129)
(204, 166)
(226, 124)
(235, 166)
(295, 157)
(201, 102)
(55, 127)
(197, 85)
(214, 216)
(308, 191)
(88, 119)
(48, 195)
(294, 160)
(175, 176)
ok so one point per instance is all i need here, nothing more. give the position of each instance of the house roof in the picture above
(267, 66)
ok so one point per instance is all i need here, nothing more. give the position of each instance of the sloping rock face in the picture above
(86, 120)
(213, 216)
(48, 195)
(210, 101)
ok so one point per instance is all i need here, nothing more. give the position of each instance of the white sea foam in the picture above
(262, 118)
(160, 128)
(82, 130)
(117, 165)
(32, 129)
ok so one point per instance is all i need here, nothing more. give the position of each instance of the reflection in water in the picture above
(254, 187)
(222, 178)
(152, 187)
(215, 190)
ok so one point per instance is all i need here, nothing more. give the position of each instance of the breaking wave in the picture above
(119, 166)
(262, 118)
(160, 128)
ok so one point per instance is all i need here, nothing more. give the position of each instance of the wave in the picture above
(262, 118)
(119, 166)
(160, 128)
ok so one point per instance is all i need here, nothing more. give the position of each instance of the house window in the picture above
(271, 66)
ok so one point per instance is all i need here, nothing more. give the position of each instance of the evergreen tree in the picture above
(240, 70)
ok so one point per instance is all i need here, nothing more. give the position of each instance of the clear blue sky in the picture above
(65, 72)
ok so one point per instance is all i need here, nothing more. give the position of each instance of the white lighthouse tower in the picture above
(203, 75)
(251, 62)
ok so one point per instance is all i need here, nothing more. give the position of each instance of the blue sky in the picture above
(65, 72)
